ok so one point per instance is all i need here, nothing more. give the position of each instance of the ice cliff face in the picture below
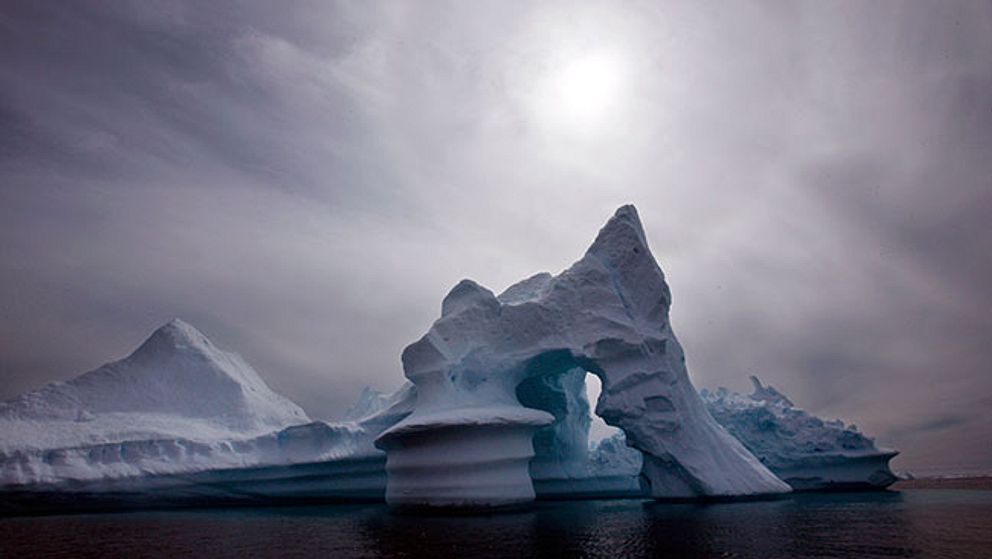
(468, 440)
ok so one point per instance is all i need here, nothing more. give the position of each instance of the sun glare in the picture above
(581, 93)
(588, 86)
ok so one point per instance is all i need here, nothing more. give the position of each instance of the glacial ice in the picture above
(177, 406)
(177, 383)
(468, 440)
(494, 412)
(805, 451)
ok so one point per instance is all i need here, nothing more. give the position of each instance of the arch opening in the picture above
(599, 430)
(565, 462)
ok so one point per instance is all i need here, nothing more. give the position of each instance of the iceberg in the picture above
(807, 452)
(176, 380)
(494, 413)
(181, 420)
(468, 441)
(169, 402)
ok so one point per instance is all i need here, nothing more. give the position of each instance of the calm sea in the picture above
(912, 523)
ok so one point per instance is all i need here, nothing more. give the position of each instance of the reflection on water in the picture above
(922, 523)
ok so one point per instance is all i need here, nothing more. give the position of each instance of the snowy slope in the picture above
(176, 396)
(172, 454)
(176, 374)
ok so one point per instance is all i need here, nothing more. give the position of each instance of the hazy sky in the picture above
(305, 181)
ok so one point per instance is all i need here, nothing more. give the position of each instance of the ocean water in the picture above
(934, 523)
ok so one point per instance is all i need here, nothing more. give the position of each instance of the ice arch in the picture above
(468, 440)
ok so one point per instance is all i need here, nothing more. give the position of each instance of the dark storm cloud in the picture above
(304, 182)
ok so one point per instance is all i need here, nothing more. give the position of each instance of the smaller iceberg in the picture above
(182, 421)
(807, 452)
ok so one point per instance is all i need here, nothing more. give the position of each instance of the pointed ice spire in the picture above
(768, 393)
(624, 229)
(623, 248)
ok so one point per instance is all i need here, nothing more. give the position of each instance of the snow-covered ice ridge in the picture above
(468, 440)
(805, 451)
(177, 373)
(179, 405)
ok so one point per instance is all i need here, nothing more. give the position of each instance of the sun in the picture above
(580, 95)
(588, 86)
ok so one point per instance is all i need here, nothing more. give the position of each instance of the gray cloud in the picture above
(305, 182)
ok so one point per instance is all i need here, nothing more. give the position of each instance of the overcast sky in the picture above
(305, 181)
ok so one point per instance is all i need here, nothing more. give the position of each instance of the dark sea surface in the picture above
(948, 523)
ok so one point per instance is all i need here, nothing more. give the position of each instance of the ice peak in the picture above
(768, 394)
(179, 324)
(179, 341)
(623, 229)
(468, 294)
(175, 334)
(176, 372)
(179, 329)
(622, 248)
(627, 212)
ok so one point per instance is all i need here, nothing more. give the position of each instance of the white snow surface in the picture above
(177, 404)
(608, 314)
(176, 384)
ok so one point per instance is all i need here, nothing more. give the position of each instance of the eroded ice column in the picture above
(468, 442)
